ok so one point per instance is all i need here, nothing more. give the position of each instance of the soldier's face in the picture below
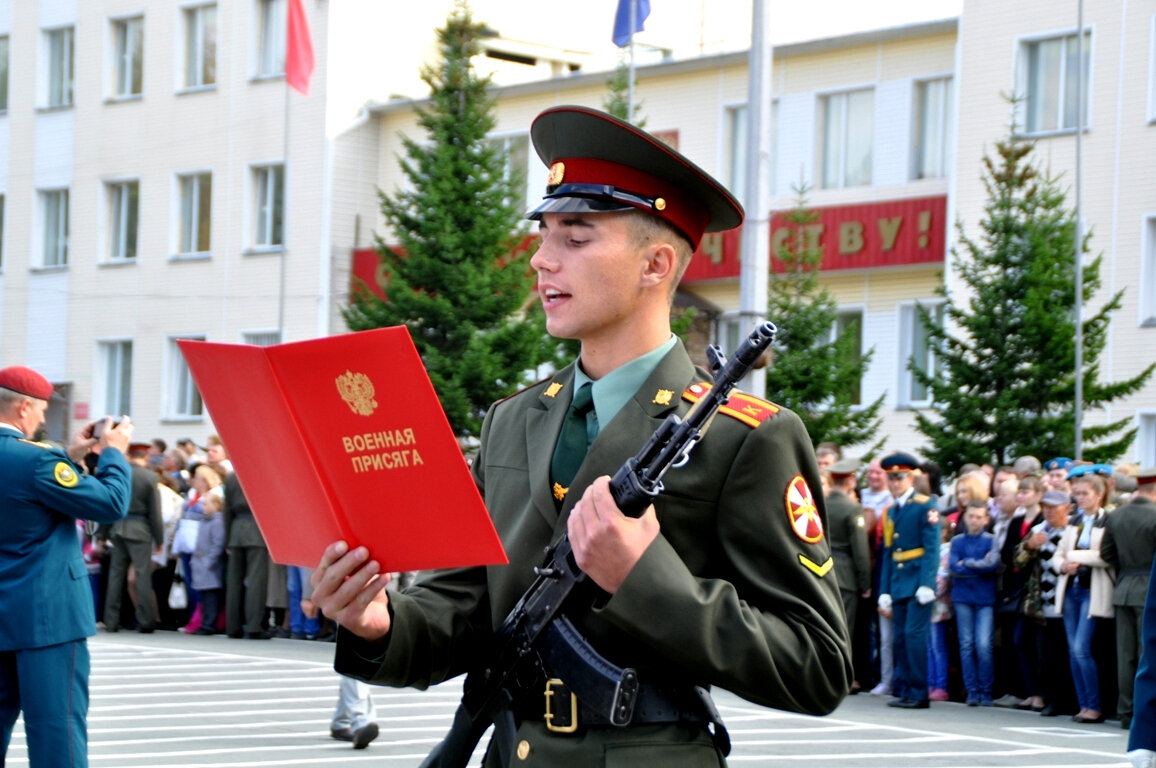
(31, 415)
(591, 275)
(899, 482)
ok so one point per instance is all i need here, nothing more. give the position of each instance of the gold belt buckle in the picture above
(549, 716)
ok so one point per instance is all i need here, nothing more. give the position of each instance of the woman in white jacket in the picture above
(1085, 592)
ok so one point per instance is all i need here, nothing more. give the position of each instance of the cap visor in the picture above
(577, 205)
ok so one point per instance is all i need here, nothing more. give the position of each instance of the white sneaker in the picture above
(883, 689)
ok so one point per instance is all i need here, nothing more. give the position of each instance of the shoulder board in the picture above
(47, 446)
(748, 409)
(921, 498)
(523, 390)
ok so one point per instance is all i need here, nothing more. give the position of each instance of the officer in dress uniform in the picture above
(45, 599)
(1142, 737)
(726, 580)
(1128, 545)
(910, 555)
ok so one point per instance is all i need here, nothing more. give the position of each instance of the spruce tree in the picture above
(1003, 384)
(454, 275)
(813, 374)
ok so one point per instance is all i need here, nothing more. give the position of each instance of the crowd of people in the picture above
(1019, 586)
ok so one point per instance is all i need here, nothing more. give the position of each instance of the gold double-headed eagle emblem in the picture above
(357, 391)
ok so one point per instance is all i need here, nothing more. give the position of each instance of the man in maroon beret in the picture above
(45, 601)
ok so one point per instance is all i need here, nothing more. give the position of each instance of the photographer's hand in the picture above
(118, 436)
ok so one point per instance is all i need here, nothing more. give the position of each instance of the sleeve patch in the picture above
(748, 409)
(802, 512)
(65, 475)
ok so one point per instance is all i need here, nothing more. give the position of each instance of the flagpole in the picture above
(630, 77)
(284, 217)
(754, 271)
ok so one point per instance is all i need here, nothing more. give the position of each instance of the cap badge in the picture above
(357, 391)
(557, 173)
(803, 513)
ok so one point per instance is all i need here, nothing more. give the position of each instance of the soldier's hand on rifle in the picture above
(349, 588)
(607, 544)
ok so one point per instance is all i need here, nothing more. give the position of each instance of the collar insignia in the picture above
(553, 389)
(663, 396)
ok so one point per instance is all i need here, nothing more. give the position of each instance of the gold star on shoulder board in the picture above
(663, 396)
(553, 389)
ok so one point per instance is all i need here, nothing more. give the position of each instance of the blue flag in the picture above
(622, 30)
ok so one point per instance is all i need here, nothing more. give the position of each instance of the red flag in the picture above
(298, 49)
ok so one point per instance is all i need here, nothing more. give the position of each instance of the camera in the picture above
(98, 427)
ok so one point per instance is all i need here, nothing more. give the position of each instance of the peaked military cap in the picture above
(1060, 462)
(846, 466)
(599, 163)
(899, 462)
(1055, 499)
(25, 381)
(1146, 476)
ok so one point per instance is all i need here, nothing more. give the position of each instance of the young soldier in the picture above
(724, 581)
(907, 584)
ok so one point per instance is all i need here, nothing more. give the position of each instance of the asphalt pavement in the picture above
(168, 699)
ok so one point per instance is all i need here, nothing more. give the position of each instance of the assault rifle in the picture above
(515, 658)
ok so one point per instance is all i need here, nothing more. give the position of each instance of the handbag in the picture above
(185, 537)
(178, 593)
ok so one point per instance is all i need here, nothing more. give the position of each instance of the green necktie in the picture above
(572, 443)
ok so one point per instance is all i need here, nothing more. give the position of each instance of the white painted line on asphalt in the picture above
(1067, 733)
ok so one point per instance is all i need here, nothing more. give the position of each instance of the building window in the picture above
(271, 52)
(114, 384)
(1146, 440)
(54, 210)
(1049, 80)
(1148, 273)
(269, 184)
(123, 202)
(933, 123)
(4, 73)
(60, 69)
(196, 213)
(261, 338)
(184, 399)
(847, 122)
(737, 136)
(1152, 74)
(515, 151)
(128, 41)
(915, 348)
(849, 323)
(200, 46)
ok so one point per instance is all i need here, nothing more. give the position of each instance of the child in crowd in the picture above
(208, 562)
(974, 562)
(938, 660)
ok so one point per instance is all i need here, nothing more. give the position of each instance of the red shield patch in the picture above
(803, 513)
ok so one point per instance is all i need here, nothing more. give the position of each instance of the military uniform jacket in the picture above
(144, 521)
(45, 597)
(241, 528)
(910, 547)
(731, 593)
(1129, 543)
(848, 535)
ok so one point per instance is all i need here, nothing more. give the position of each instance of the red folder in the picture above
(343, 438)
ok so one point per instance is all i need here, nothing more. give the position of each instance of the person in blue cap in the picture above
(911, 538)
(1056, 473)
(46, 610)
(726, 580)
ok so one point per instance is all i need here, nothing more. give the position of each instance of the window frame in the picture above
(825, 101)
(5, 71)
(531, 192)
(860, 314)
(271, 36)
(946, 124)
(110, 360)
(3, 227)
(62, 216)
(1147, 289)
(735, 139)
(1152, 72)
(907, 325)
(1023, 80)
(185, 201)
(194, 48)
(126, 63)
(118, 232)
(59, 75)
(261, 337)
(1146, 437)
(265, 215)
(179, 384)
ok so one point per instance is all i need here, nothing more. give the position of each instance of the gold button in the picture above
(523, 749)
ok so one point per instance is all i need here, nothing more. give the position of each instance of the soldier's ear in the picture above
(661, 263)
